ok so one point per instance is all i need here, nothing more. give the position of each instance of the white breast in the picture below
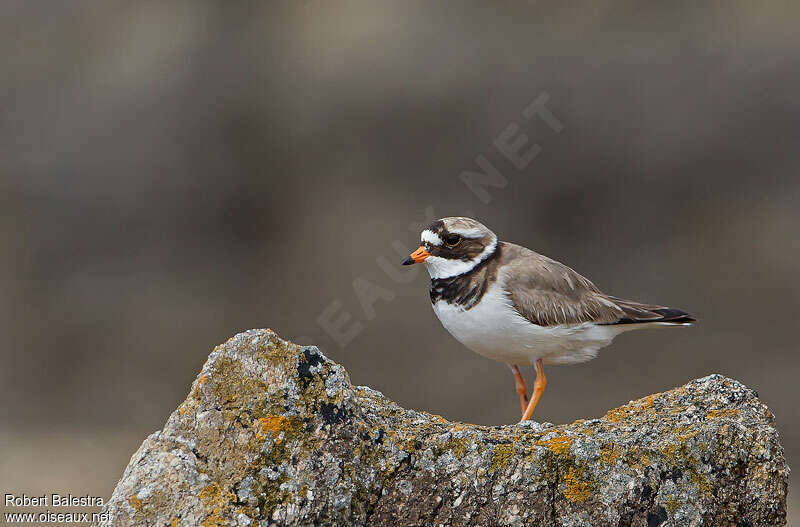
(494, 329)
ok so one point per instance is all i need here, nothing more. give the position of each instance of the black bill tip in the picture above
(407, 261)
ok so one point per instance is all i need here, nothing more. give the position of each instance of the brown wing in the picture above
(548, 293)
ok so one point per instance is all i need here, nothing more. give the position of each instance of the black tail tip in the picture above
(674, 316)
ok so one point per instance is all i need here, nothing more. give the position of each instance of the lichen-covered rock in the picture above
(274, 434)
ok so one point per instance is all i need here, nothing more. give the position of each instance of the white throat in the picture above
(439, 267)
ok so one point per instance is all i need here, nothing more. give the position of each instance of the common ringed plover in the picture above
(513, 305)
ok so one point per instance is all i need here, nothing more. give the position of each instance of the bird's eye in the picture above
(452, 240)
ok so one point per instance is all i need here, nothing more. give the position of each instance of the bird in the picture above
(513, 305)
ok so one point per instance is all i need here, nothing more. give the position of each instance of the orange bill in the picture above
(418, 256)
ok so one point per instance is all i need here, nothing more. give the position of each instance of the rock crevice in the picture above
(274, 434)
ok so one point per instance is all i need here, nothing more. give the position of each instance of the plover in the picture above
(513, 305)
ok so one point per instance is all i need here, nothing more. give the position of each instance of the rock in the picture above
(274, 434)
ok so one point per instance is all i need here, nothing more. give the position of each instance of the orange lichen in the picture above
(272, 423)
(634, 409)
(215, 500)
(578, 488)
(617, 414)
(199, 384)
(175, 522)
(135, 502)
(725, 412)
(647, 402)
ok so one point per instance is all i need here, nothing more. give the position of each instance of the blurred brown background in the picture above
(174, 172)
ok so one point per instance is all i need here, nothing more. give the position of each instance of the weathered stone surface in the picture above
(274, 434)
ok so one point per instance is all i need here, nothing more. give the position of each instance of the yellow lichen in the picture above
(502, 455)
(215, 500)
(280, 353)
(701, 482)
(578, 487)
(671, 453)
(672, 504)
(610, 453)
(637, 458)
(175, 522)
(272, 423)
(458, 445)
(558, 445)
(726, 412)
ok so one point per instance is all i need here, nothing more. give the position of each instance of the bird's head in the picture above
(453, 246)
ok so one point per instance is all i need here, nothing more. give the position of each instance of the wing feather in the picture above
(549, 293)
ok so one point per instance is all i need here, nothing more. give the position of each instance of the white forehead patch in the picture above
(431, 237)
(467, 233)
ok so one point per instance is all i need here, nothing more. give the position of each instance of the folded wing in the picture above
(549, 293)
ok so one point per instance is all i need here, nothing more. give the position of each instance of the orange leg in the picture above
(522, 388)
(538, 390)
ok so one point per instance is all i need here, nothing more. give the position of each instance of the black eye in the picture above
(452, 240)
